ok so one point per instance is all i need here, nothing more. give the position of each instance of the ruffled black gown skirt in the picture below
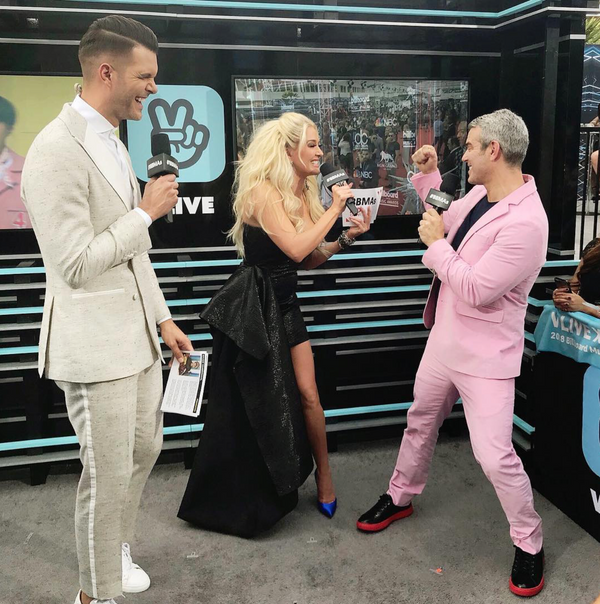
(230, 489)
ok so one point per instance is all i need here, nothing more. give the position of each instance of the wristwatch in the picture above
(344, 241)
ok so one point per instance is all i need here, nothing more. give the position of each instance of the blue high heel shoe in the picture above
(327, 509)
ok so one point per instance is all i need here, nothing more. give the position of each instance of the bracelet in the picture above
(344, 241)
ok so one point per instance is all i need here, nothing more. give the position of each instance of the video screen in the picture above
(27, 104)
(370, 128)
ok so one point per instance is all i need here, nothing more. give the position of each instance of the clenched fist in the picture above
(340, 194)
(426, 159)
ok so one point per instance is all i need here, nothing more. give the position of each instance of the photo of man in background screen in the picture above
(13, 214)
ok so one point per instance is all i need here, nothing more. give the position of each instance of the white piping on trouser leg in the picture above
(92, 462)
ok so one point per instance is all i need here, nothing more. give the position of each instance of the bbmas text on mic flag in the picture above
(363, 199)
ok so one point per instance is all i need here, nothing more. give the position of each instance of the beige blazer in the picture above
(102, 299)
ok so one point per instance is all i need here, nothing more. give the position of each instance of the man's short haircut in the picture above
(506, 128)
(8, 115)
(115, 35)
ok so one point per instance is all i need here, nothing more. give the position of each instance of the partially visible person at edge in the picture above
(585, 284)
(265, 417)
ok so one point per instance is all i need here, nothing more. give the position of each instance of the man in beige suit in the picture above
(103, 301)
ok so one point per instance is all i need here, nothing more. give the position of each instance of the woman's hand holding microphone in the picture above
(340, 193)
(361, 224)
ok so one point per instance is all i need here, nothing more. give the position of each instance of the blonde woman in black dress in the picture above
(271, 417)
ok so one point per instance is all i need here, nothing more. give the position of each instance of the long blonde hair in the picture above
(266, 160)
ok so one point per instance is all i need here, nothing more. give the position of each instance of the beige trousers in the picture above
(119, 427)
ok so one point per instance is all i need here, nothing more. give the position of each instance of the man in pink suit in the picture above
(483, 271)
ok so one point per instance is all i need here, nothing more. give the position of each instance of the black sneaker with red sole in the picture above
(527, 576)
(382, 514)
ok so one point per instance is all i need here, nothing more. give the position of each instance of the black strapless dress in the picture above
(254, 451)
(261, 251)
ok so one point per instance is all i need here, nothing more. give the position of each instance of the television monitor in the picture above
(369, 127)
(27, 104)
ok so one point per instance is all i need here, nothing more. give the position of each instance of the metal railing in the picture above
(588, 185)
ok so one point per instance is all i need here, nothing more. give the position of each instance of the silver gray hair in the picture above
(508, 130)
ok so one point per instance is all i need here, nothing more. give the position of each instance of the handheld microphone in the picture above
(162, 162)
(334, 176)
(442, 199)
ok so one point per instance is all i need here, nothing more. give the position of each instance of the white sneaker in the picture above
(135, 580)
(78, 600)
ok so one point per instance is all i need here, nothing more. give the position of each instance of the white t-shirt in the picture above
(345, 148)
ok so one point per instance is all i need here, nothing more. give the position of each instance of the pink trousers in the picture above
(488, 406)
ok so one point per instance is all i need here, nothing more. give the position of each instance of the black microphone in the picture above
(162, 162)
(334, 176)
(442, 199)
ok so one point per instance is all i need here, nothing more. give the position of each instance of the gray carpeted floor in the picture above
(458, 525)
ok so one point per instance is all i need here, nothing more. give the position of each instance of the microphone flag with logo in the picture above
(442, 199)
(162, 162)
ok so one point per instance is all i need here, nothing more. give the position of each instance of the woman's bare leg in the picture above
(304, 368)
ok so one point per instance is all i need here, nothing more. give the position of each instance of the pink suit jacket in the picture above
(478, 297)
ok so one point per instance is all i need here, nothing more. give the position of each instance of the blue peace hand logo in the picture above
(188, 138)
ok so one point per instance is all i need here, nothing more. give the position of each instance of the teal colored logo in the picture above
(591, 419)
(193, 117)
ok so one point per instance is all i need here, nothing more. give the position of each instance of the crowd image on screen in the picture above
(369, 128)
